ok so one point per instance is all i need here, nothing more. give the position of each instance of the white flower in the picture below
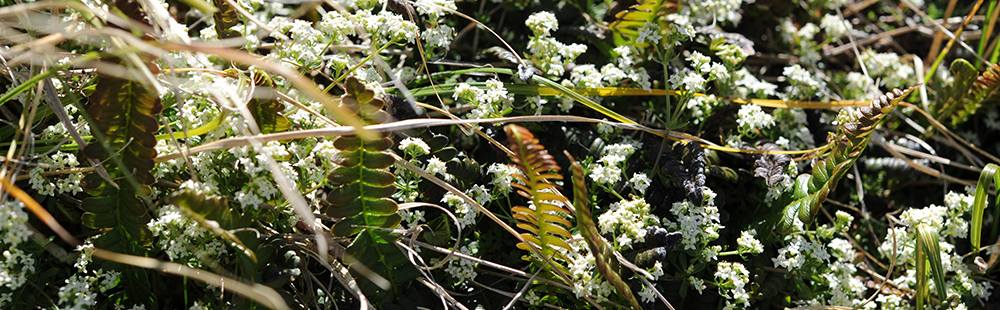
(541, 23)
(467, 92)
(694, 82)
(697, 283)
(503, 175)
(751, 116)
(718, 72)
(532, 298)
(649, 33)
(627, 220)
(699, 62)
(435, 166)
(749, 244)
(434, 8)
(603, 174)
(648, 294)
(414, 146)
(439, 36)
(733, 277)
(640, 182)
(566, 104)
(834, 26)
(480, 194)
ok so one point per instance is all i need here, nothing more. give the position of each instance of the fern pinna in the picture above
(361, 199)
(854, 130)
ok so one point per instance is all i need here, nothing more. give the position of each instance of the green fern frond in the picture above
(546, 223)
(122, 111)
(604, 256)
(627, 23)
(361, 199)
(853, 133)
(225, 18)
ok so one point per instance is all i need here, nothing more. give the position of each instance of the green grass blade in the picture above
(979, 204)
(927, 245)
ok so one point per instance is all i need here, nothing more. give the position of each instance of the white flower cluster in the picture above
(434, 9)
(947, 220)
(336, 26)
(503, 175)
(68, 183)
(700, 106)
(307, 46)
(462, 269)
(798, 251)
(834, 26)
(77, 294)
(680, 30)
(17, 264)
(801, 40)
(748, 244)
(901, 242)
(794, 125)
(710, 12)
(180, 236)
(465, 212)
(490, 103)
(751, 117)
(732, 279)
(698, 225)
(802, 85)
(437, 34)
(649, 33)
(607, 170)
(387, 26)
(694, 79)
(640, 182)
(550, 55)
(414, 146)
(845, 288)
(627, 220)
(747, 84)
(892, 70)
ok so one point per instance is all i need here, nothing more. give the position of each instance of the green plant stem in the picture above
(984, 38)
(356, 66)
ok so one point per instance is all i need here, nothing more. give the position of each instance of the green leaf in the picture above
(928, 253)
(979, 204)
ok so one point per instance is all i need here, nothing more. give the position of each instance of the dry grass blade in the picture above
(264, 295)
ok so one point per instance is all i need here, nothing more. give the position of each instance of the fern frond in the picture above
(604, 256)
(852, 136)
(225, 18)
(546, 223)
(361, 199)
(627, 23)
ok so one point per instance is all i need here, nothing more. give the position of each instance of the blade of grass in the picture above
(927, 245)
(979, 204)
